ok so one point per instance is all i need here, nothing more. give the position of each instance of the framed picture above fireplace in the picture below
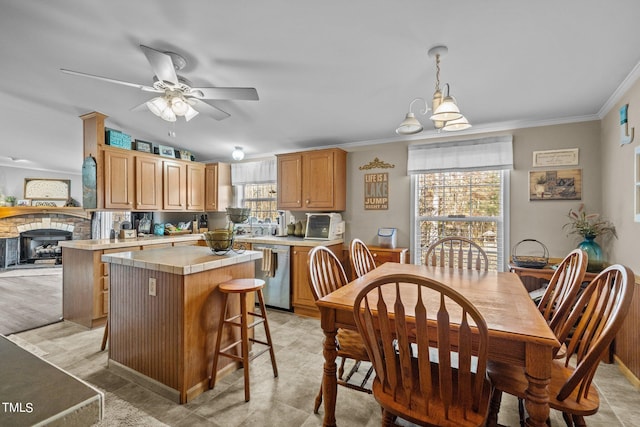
(47, 189)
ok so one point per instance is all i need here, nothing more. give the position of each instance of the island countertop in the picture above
(181, 260)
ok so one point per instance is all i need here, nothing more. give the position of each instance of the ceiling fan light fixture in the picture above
(237, 154)
(179, 105)
(191, 113)
(168, 114)
(458, 124)
(157, 105)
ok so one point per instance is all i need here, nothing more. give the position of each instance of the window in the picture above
(261, 199)
(461, 203)
(460, 188)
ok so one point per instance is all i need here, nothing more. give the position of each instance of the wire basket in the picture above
(238, 215)
(219, 240)
(533, 254)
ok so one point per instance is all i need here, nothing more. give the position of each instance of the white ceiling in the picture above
(330, 72)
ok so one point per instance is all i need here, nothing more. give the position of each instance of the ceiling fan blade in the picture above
(233, 93)
(106, 79)
(161, 64)
(210, 110)
(140, 107)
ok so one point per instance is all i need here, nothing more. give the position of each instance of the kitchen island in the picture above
(85, 278)
(164, 310)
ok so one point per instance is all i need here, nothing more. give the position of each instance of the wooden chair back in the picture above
(593, 324)
(361, 258)
(563, 288)
(457, 252)
(326, 273)
(398, 331)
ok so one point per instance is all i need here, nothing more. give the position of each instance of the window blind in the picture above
(254, 172)
(489, 153)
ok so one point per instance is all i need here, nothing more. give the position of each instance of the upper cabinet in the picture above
(195, 186)
(135, 180)
(217, 186)
(313, 180)
(174, 180)
(118, 179)
(148, 183)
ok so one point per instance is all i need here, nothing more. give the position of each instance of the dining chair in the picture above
(362, 260)
(449, 387)
(457, 252)
(562, 291)
(326, 275)
(593, 322)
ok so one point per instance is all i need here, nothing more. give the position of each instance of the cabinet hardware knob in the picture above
(307, 201)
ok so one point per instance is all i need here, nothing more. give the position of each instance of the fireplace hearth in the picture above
(41, 246)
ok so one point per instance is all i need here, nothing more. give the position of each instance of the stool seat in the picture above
(236, 286)
(242, 287)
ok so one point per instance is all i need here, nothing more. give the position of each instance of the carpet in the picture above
(118, 412)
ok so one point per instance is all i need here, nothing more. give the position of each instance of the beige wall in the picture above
(618, 180)
(540, 220)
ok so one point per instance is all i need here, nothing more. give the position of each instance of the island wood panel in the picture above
(627, 351)
(170, 337)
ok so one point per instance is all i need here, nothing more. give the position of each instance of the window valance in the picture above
(474, 154)
(254, 172)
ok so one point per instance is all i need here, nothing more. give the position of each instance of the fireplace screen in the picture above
(41, 246)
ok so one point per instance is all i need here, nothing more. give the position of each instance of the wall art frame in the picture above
(547, 158)
(166, 151)
(557, 184)
(47, 189)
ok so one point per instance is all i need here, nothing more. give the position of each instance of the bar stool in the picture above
(242, 287)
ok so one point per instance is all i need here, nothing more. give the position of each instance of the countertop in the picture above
(182, 260)
(97, 244)
(287, 240)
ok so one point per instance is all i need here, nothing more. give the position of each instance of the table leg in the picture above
(329, 379)
(538, 373)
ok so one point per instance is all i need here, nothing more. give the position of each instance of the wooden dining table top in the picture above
(500, 297)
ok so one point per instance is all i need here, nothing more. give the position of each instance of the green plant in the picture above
(588, 225)
(10, 199)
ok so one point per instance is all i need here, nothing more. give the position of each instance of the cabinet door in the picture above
(174, 183)
(290, 181)
(118, 179)
(211, 187)
(195, 187)
(324, 180)
(302, 295)
(148, 183)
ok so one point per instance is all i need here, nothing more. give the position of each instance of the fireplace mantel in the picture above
(6, 212)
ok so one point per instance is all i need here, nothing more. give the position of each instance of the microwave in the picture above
(324, 226)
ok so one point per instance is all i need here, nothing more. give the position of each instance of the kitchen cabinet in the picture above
(118, 179)
(302, 299)
(148, 183)
(174, 185)
(312, 180)
(382, 255)
(217, 187)
(195, 187)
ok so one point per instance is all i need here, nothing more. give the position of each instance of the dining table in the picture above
(518, 334)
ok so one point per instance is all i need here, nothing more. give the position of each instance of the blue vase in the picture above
(594, 254)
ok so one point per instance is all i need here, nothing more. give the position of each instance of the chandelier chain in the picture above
(437, 72)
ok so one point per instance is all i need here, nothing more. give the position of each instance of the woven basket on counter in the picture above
(530, 253)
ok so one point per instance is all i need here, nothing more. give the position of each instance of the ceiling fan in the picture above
(178, 96)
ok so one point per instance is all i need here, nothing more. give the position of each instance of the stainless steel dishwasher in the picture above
(277, 290)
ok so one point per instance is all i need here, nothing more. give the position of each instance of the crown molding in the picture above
(617, 95)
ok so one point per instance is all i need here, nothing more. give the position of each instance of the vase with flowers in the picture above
(590, 226)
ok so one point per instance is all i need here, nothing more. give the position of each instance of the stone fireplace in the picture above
(39, 231)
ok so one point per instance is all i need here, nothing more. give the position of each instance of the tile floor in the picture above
(283, 401)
